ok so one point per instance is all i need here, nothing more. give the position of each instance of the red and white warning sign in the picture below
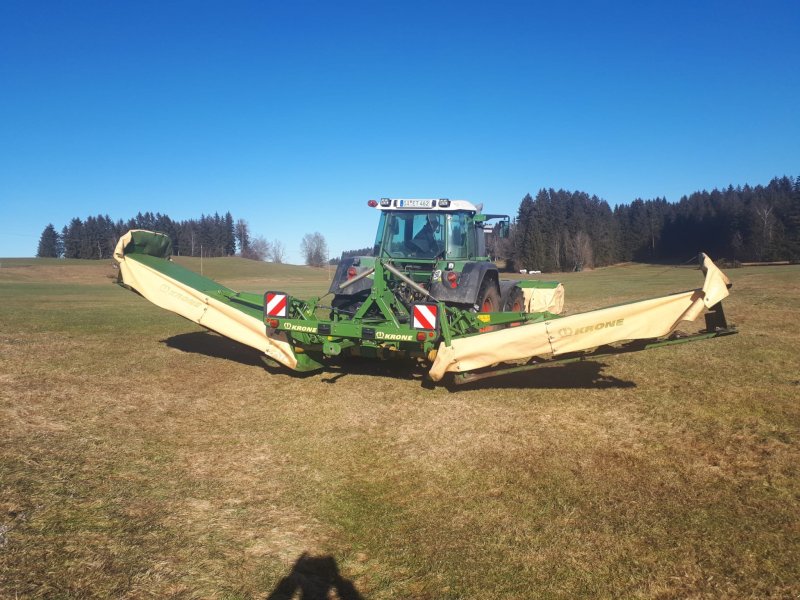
(425, 316)
(275, 304)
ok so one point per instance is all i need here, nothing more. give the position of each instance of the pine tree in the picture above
(243, 235)
(49, 243)
(71, 235)
(230, 235)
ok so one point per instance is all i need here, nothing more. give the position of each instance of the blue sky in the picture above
(293, 114)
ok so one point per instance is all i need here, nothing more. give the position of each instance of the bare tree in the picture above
(556, 248)
(736, 243)
(314, 249)
(258, 249)
(278, 252)
(581, 251)
(767, 221)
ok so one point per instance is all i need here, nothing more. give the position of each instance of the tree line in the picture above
(214, 235)
(557, 230)
(560, 230)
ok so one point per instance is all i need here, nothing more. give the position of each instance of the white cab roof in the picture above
(432, 204)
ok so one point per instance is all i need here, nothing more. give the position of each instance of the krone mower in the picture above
(428, 291)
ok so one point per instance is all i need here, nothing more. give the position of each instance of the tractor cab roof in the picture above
(432, 204)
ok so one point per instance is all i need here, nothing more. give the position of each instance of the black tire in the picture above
(488, 297)
(488, 300)
(515, 301)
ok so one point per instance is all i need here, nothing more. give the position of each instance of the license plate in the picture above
(416, 203)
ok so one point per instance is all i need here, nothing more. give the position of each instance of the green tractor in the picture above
(429, 279)
(435, 250)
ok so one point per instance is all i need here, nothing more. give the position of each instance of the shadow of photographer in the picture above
(314, 577)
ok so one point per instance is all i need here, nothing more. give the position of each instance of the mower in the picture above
(427, 291)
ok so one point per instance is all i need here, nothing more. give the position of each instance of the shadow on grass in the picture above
(404, 369)
(584, 374)
(216, 346)
(577, 375)
(315, 577)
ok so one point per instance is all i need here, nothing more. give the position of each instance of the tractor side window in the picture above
(479, 241)
(379, 236)
(460, 237)
(398, 230)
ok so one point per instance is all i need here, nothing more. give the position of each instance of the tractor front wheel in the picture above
(515, 302)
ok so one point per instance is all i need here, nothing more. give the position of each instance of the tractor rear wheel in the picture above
(488, 297)
(488, 300)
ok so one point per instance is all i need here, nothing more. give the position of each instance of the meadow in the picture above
(144, 457)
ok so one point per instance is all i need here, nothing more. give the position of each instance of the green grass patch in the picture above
(141, 456)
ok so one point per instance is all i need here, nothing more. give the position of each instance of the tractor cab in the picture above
(434, 229)
(430, 230)
(437, 243)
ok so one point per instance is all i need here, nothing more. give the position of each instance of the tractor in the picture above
(435, 250)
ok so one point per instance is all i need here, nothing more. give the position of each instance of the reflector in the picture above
(425, 316)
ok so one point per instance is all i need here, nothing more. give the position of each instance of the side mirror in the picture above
(503, 229)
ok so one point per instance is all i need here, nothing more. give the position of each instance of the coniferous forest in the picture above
(556, 230)
(561, 230)
(96, 236)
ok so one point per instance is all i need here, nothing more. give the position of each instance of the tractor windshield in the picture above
(424, 234)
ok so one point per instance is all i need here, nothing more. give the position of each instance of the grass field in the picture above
(143, 457)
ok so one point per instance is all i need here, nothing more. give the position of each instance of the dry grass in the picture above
(143, 457)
